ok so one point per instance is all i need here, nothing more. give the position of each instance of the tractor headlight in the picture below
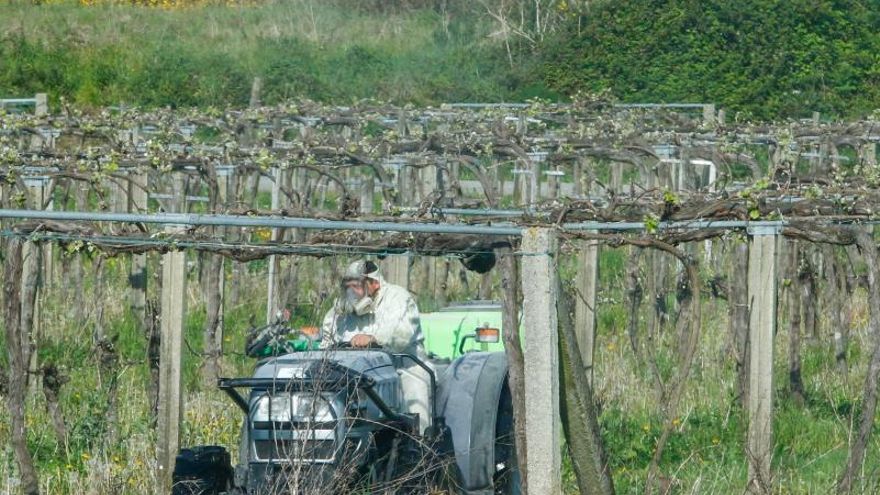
(297, 407)
(273, 408)
(311, 407)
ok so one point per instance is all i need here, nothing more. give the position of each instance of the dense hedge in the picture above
(759, 58)
(765, 58)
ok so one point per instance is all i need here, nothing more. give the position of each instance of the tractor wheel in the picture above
(507, 480)
(202, 470)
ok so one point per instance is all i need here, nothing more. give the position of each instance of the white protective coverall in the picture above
(394, 323)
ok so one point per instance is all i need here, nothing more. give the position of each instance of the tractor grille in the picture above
(299, 450)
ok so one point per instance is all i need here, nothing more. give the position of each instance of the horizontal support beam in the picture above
(196, 199)
(18, 101)
(487, 105)
(616, 105)
(682, 225)
(660, 105)
(500, 229)
(240, 251)
(467, 212)
(254, 221)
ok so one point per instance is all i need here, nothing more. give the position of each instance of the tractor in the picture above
(334, 421)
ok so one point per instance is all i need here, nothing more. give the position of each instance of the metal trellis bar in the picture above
(505, 229)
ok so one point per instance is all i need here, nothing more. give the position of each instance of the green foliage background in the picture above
(761, 59)
(112, 54)
(764, 58)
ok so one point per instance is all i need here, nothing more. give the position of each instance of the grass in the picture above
(208, 56)
(704, 455)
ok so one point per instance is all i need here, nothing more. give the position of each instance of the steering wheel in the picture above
(347, 345)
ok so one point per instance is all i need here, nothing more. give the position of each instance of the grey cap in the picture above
(360, 270)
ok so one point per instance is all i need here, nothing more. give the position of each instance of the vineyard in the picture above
(700, 309)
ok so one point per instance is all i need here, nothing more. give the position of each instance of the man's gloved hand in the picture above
(362, 340)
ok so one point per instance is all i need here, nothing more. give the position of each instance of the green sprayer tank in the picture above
(444, 330)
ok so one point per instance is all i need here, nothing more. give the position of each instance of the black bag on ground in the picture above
(203, 470)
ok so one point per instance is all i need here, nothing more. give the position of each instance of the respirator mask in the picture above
(360, 306)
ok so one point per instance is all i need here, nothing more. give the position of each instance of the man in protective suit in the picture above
(372, 311)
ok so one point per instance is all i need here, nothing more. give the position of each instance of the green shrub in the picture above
(764, 58)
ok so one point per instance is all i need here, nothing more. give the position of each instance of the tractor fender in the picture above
(468, 399)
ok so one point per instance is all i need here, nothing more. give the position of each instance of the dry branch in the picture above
(18, 349)
(793, 291)
(689, 332)
(868, 248)
(511, 300)
(578, 410)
